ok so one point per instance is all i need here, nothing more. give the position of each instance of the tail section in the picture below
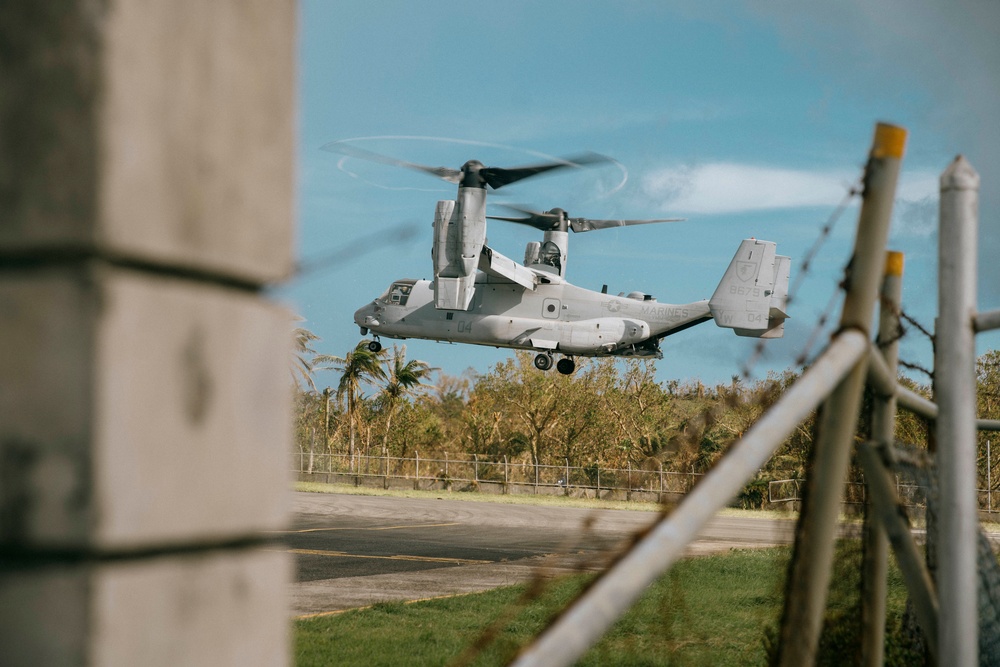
(752, 297)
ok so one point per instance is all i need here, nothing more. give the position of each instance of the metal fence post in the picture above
(385, 467)
(955, 378)
(581, 624)
(506, 474)
(876, 544)
(312, 447)
(416, 476)
(628, 491)
(566, 478)
(659, 497)
(810, 571)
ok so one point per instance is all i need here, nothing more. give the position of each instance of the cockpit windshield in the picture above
(398, 293)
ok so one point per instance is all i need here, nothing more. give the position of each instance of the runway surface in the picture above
(355, 551)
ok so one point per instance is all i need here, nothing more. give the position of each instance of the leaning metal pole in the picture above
(876, 544)
(955, 379)
(810, 571)
(588, 618)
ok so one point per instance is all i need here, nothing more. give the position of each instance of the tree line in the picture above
(610, 412)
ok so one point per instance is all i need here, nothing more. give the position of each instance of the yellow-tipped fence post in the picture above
(810, 573)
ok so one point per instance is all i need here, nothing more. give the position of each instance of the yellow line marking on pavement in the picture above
(415, 525)
(337, 612)
(421, 559)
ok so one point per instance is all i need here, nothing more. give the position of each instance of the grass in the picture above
(705, 611)
(717, 610)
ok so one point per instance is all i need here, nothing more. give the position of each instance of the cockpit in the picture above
(398, 293)
(544, 254)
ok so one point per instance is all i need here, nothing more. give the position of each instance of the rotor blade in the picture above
(588, 225)
(444, 173)
(521, 208)
(543, 221)
(497, 177)
(538, 223)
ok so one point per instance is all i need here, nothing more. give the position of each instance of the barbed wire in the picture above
(803, 360)
(916, 367)
(804, 268)
(909, 365)
(916, 325)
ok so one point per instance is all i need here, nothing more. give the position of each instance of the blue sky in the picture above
(748, 119)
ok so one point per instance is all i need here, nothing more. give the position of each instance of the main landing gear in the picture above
(375, 346)
(566, 366)
(543, 362)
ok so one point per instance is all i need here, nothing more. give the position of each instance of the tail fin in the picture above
(752, 297)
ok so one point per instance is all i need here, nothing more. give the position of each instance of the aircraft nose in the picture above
(365, 316)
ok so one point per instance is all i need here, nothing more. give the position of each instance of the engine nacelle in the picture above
(459, 236)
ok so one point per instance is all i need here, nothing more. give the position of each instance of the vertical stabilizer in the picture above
(751, 298)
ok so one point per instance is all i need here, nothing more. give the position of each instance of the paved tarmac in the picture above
(355, 551)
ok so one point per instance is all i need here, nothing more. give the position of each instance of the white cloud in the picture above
(728, 187)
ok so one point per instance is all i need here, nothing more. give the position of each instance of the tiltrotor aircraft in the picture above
(481, 297)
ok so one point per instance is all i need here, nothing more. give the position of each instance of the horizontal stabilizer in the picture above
(776, 329)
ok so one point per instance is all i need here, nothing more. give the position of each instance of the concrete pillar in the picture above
(146, 181)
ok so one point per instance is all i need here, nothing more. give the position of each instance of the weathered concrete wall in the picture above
(157, 131)
(146, 179)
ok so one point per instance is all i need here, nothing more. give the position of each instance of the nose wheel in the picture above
(375, 346)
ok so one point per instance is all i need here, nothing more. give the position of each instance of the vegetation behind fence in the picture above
(609, 430)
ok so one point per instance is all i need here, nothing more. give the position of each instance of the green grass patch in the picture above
(711, 611)
(718, 610)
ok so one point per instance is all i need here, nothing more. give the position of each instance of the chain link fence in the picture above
(440, 471)
(649, 482)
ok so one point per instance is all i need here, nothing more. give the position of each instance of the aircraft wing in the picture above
(493, 263)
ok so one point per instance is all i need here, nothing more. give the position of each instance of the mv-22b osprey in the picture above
(481, 297)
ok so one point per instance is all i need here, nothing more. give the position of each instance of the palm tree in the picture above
(405, 377)
(358, 366)
(302, 367)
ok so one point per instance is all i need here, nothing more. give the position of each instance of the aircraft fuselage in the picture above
(555, 316)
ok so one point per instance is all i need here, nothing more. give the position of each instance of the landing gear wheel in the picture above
(543, 362)
(375, 346)
(566, 366)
